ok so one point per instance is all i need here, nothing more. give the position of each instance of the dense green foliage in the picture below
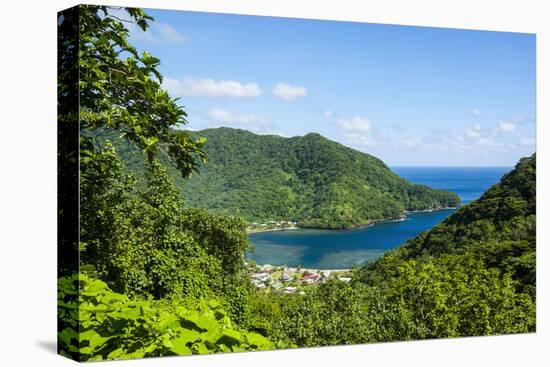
(119, 88)
(149, 244)
(447, 297)
(105, 84)
(98, 324)
(311, 180)
(140, 240)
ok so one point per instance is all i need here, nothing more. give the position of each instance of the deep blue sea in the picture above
(324, 249)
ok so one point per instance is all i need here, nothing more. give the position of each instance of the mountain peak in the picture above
(310, 179)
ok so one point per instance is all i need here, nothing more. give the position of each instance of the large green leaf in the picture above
(230, 337)
(257, 340)
(185, 336)
(181, 349)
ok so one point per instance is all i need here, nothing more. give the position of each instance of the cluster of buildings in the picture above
(288, 279)
(281, 223)
(275, 224)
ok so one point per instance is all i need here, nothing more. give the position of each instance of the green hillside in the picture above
(308, 179)
(505, 212)
(499, 229)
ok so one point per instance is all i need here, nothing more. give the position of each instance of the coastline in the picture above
(432, 210)
(261, 230)
(403, 217)
(326, 271)
(371, 224)
(355, 227)
(300, 270)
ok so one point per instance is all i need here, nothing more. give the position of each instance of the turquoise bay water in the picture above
(342, 249)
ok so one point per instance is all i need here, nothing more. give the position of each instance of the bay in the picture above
(325, 249)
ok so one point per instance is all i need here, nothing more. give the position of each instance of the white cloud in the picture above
(356, 124)
(358, 132)
(411, 142)
(506, 126)
(475, 142)
(252, 122)
(488, 142)
(483, 138)
(474, 132)
(206, 87)
(360, 140)
(220, 115)
(158, 32)
(288, 92)
(328, 114)
(527, 141)
(475, 112)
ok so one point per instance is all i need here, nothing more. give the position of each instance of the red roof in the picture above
(311, 276)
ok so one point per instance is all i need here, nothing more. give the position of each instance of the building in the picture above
(290, 290)
(285, 277)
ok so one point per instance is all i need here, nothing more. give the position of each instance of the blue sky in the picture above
(408, 95)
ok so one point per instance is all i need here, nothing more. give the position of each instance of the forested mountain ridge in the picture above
(498, 229)
(308, 179)
(505, 211)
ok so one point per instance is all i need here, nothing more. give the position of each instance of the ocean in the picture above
(323, 249)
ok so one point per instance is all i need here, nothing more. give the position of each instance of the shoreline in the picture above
(355, 227)
(260, 230)
(432, 210)
(310, 270)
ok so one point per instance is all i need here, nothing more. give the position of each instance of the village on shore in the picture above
(272, 225)
(288, 280)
